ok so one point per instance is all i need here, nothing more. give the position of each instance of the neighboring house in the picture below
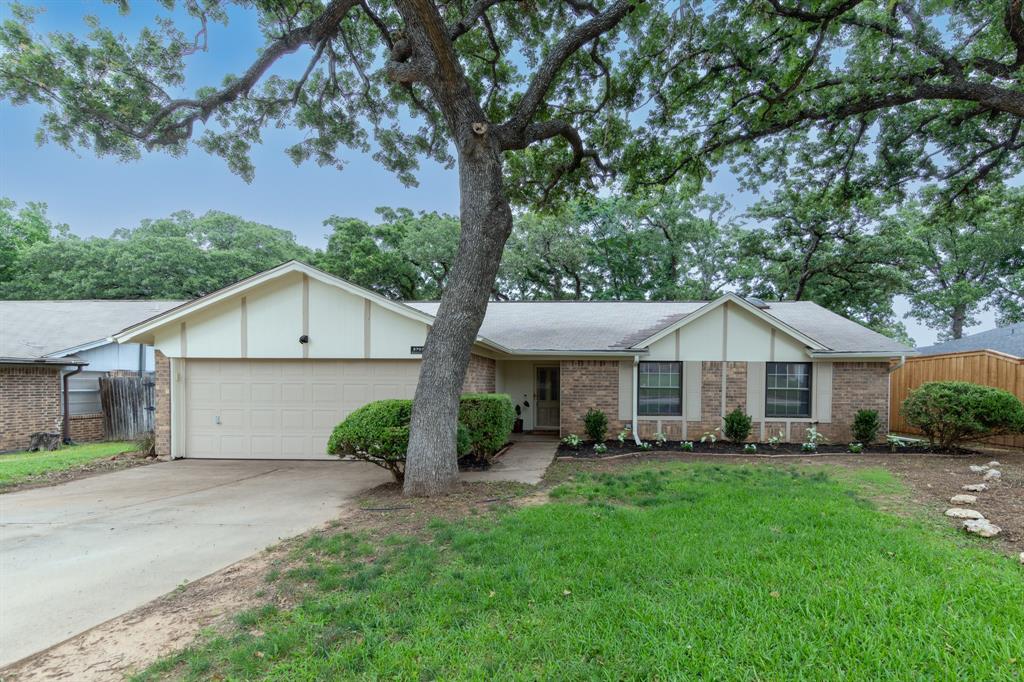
(1008, 340)
(41, 342)
(266, 367)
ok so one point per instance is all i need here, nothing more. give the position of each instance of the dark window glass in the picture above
(788, 389)
(660, 389)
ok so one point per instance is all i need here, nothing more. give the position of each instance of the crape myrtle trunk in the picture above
(486, 221)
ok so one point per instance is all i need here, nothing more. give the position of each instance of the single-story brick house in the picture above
(266, 367)
(44, 344)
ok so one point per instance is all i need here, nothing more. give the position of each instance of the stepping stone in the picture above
(963, 499)
(982, 527)
(992, 474)
(975, 487)
(963, 513)
(978, 468)
(1022, 558)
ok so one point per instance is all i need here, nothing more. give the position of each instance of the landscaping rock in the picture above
(975, 487)
(963, 513)
(981, 527)
(963, 499)
(1022, 558)
(978, 468)
(992, 475)
(993, 464)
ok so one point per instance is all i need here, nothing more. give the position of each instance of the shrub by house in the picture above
(952, 412)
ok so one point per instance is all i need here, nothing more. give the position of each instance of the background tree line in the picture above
(834, 245)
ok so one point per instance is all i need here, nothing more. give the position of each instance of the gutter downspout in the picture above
(66, 425)
(903, 361)
(636, 396)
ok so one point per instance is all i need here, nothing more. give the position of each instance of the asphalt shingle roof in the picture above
(32, 329)
(618, 325)
(1009, 340)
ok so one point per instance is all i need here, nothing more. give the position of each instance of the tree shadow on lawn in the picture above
(678, 570)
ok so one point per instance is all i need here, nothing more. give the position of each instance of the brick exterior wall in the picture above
(585, 385)
(162, 395)
(87, 428)
(29, 402)
(857, 386)
(479, 375)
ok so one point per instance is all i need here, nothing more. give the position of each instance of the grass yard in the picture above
(670, 571)
(19, 467)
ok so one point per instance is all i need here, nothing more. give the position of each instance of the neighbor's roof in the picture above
(1009, 340)
(619, 325)
(35, 329)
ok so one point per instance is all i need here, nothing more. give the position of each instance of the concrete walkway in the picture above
(75, 555)
(525, 462)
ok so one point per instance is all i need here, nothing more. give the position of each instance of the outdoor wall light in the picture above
(304, 338)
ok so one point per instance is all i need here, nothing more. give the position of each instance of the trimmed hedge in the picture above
(378, 432)
(737, 425)
(951, 412)
(488, 418)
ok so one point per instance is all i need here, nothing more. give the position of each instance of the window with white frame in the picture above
(788, 390)
(660, 389)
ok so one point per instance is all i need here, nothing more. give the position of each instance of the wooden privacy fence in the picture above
(984, 367)
(128, 406)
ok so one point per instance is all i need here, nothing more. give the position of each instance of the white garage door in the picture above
(281, 409)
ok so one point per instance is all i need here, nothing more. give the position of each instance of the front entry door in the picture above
(547, 398)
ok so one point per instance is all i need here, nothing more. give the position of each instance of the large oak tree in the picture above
(532, 100)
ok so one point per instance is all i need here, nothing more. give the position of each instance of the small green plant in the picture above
(660, 439)
(709, 437)
(865, 426)
(146, 444)
(595, 422)
(600, 448)
(750, 448)
(737, 426)
(809, 447)
(775, 440)
(855, 448)
(623, 435)
(644, 445)
(686, 446)
(815, 436)
(894, 442)
(573, 441)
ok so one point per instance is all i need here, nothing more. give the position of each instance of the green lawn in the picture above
(671, 572)
(18, 467)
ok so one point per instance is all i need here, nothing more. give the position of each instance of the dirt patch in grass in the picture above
(130, 642)
(125, 460)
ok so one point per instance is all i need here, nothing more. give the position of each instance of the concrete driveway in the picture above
(75, 555)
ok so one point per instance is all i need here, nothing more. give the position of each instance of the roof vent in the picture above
(757, 303)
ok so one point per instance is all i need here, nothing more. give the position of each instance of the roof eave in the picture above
(59, 362)
(854, 354)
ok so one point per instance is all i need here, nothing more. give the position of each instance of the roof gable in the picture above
(744, 305)
(236, 289)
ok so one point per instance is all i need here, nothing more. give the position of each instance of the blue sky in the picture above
(97, 195)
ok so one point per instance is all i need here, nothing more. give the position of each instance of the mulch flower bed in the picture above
(586, 449)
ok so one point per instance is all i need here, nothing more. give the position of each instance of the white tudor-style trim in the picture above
(745, 305)
(137, 333)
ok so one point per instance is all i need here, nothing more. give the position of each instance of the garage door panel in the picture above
(273, 409)
(263, 392)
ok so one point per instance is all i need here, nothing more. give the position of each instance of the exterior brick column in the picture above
(162, 395)
(585, 385)
(479, 375)
(857, 386)
(29, 402)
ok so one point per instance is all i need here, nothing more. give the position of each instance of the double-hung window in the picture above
(788, 390)
(660, 389)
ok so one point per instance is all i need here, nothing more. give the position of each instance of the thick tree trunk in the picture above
(486, 219)
(957, 318)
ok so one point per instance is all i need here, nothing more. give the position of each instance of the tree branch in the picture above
(548, 70)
